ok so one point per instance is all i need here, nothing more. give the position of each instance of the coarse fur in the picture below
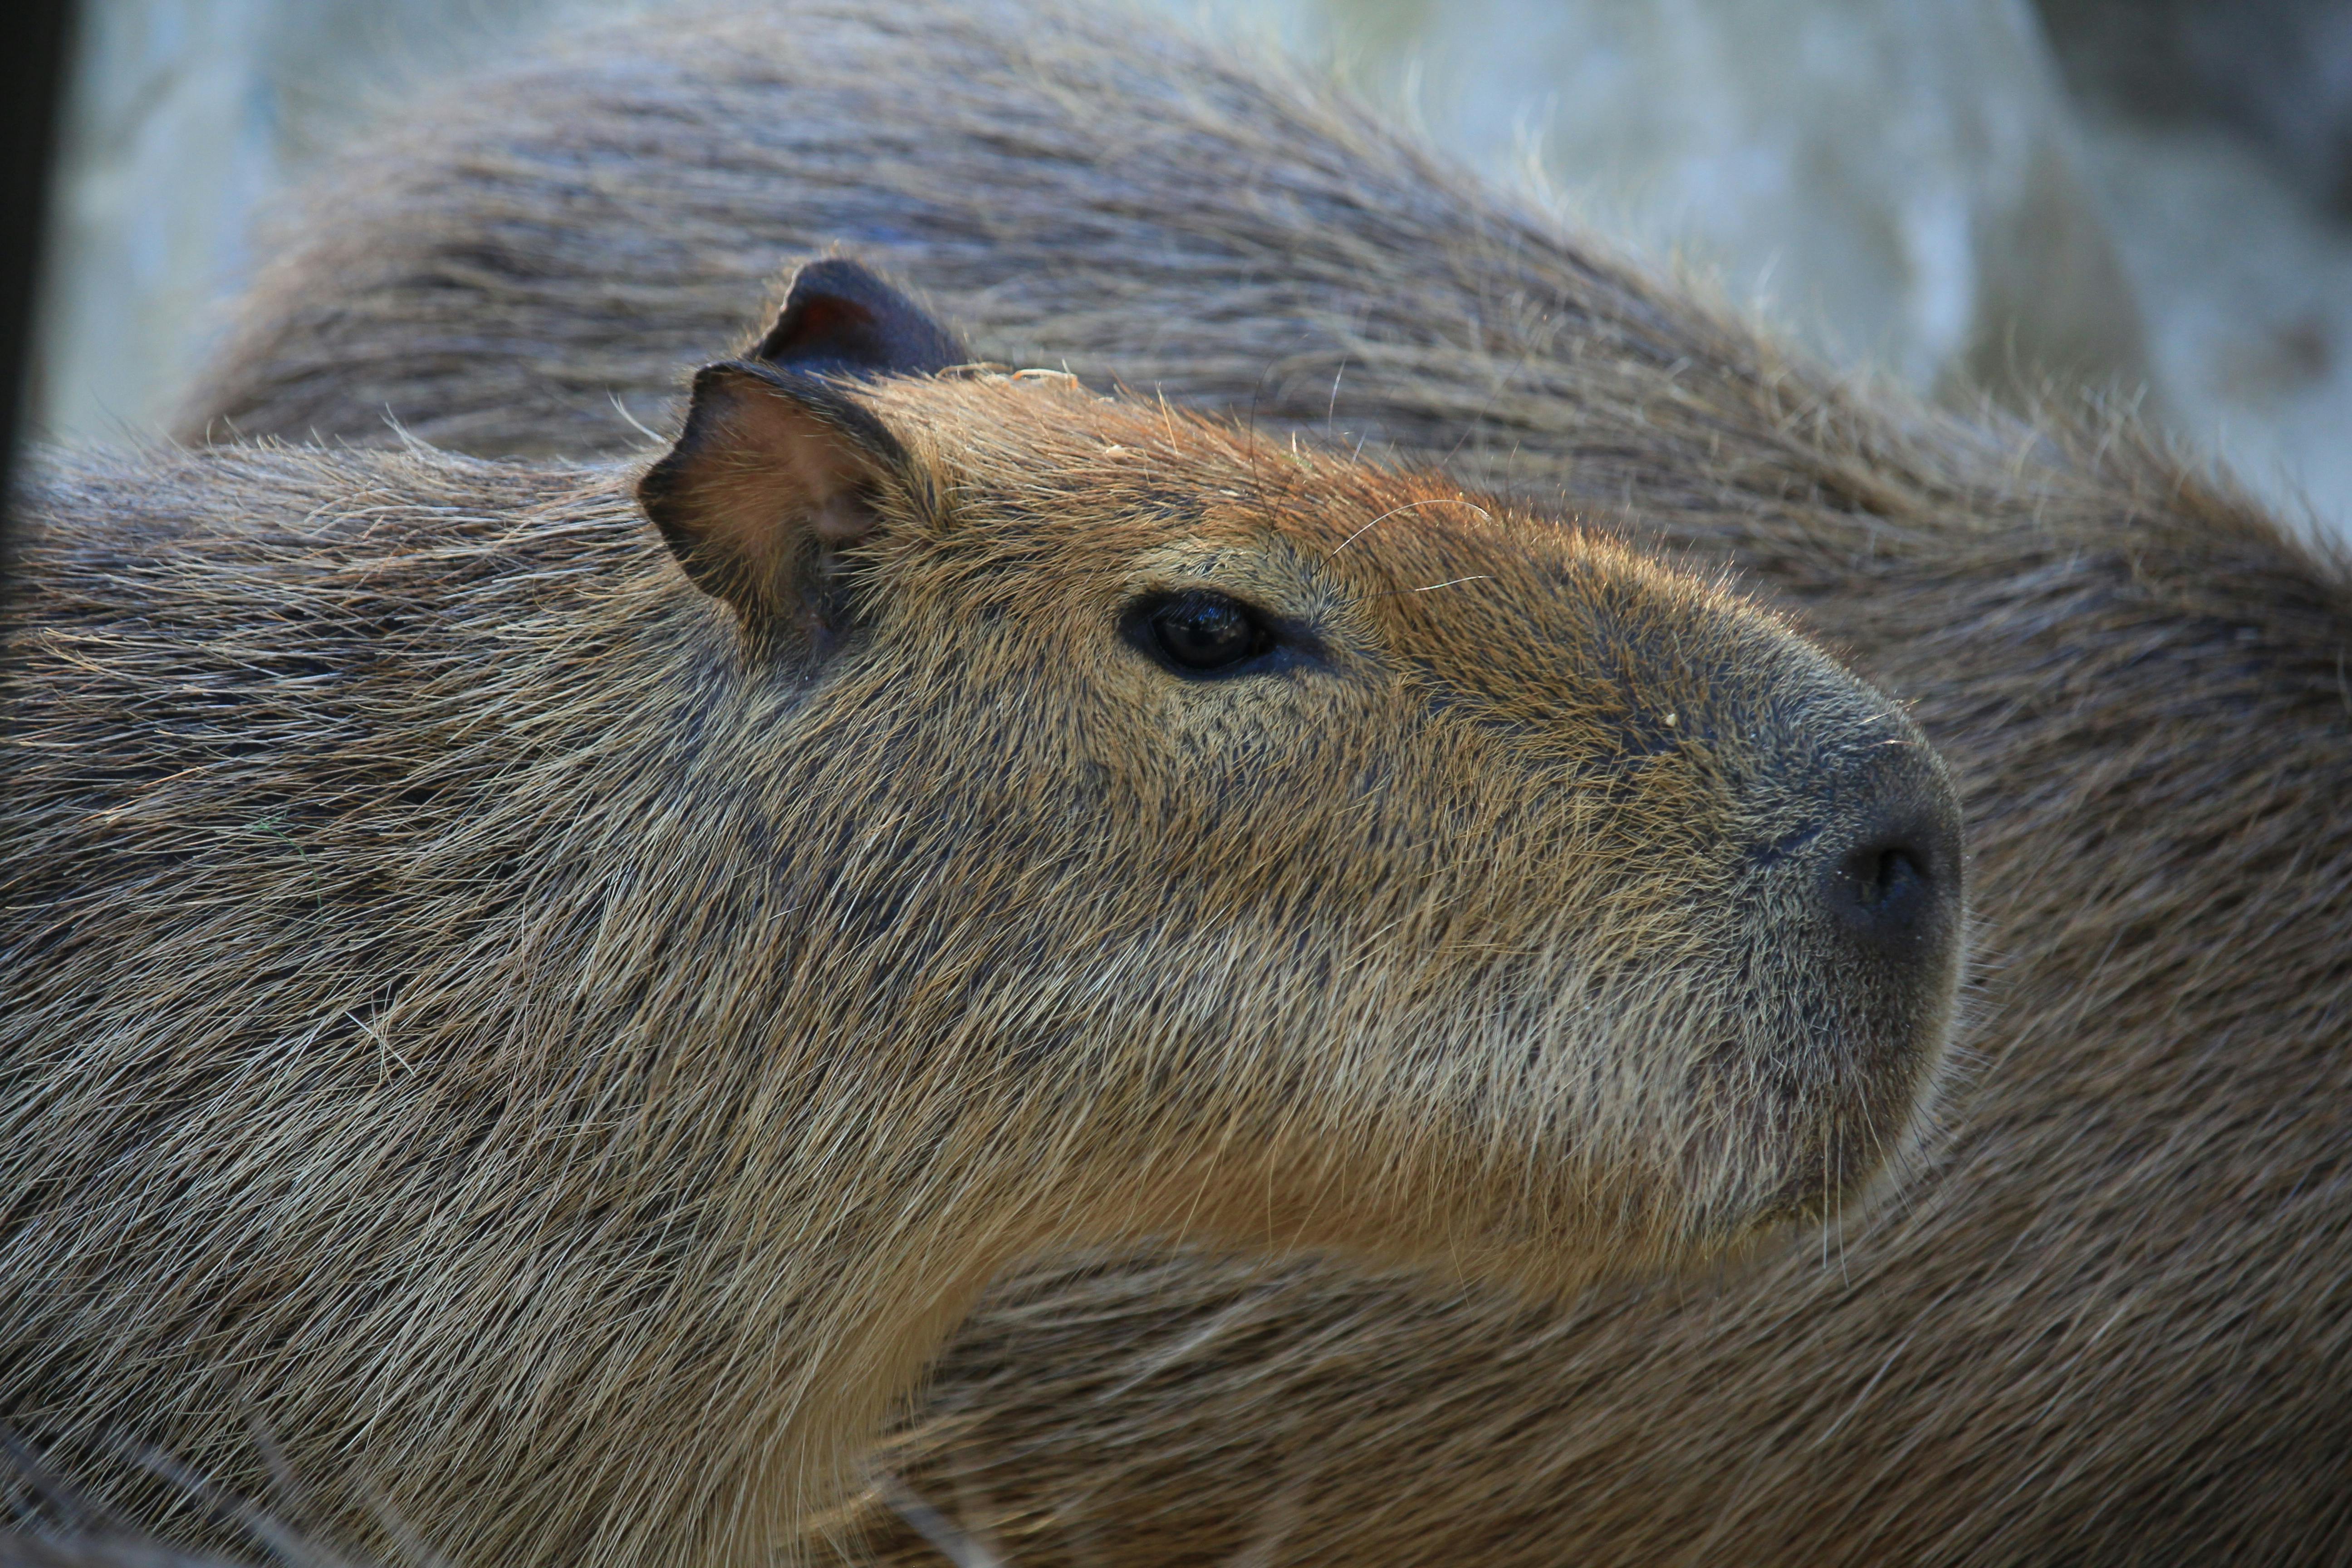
(2113, 1326)
(543, 1054)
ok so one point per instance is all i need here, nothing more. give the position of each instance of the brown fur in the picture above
(557, 1061)
(2114, 1328)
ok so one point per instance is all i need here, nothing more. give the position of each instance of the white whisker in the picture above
(1409, 506)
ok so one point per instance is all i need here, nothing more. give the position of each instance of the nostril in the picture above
(1876, 876)
(1886, 874)
(1887, 889)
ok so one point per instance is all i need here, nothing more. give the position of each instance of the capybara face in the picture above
(1439, 878)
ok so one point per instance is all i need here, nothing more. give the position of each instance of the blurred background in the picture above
(1979, 196)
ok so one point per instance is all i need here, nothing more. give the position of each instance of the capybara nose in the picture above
(1889, 865)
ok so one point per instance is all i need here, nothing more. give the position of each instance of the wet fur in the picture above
(2113, 1326)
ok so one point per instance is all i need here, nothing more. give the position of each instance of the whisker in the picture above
(1409, 506)
(635, 422)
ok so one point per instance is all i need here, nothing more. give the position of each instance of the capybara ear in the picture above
(842, 320)
(771, 477)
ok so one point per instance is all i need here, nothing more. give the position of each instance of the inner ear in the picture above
(771, 478)
(840, 319)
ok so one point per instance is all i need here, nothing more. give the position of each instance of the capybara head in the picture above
(1331, 857)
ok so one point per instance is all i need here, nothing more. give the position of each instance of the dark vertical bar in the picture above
(32, 99)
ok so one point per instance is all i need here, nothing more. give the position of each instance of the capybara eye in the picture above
(1201, 633)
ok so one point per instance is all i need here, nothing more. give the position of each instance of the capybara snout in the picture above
(1851, 904)
(1723, 786)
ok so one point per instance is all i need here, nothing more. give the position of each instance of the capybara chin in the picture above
(2111, 1324)
(549, 1031)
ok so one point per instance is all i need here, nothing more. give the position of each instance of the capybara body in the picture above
(537, 1036)
(2112, 1326)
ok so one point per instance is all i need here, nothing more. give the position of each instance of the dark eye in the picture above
(1202, 633)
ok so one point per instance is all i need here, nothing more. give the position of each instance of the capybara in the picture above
(539, 1036)
(2114, 1325)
